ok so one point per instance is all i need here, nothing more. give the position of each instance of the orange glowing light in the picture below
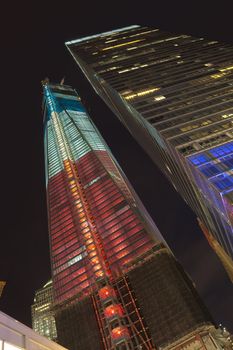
(93, 253)
(87, 235)
(99, 273)
(113, 310)
(106, 292)
(97, 267)
(85, 230)
(120, 332)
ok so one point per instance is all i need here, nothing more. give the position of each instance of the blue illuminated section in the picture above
(222, 150)
(58, 102)
(213, 173)
(68, 104)
(199, 159)
(49, 100)
(216, 164)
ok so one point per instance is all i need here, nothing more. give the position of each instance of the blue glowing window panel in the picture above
(223, 182)
(73, 105)
(222, 150)
(198, 159)
(227, 162)
(210, 170)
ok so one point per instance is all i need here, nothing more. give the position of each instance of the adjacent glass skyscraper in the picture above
(116, 284)
(43, 321)
(174, 94)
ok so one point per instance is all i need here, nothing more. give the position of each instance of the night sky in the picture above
(32, 48)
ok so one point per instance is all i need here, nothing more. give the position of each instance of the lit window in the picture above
(119, 45)
(159, 98)
(141, 93)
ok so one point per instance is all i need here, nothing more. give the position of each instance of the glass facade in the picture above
(174, 94)
(99, 233)
(43, 320)
(94, 220)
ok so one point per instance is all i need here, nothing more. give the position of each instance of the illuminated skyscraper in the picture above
(116, 284)
(43, 321)
(174, 94)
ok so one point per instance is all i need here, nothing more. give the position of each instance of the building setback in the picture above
(117, 285)
(43, 321)
(174, 94)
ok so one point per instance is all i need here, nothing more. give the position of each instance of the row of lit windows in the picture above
(190, 58)
(183, 93)
(132, 252)
(197, 123)
(107, 216)
(104, 185)
(76, 270)
(110, 200)
(57, 225)
(63, 254)
(58, 199)
(58, 261)
(164, 83)
(68, 263)
(181, 51)
(170, 105)
(201, 133)
(71, 290)
(118, 229)
(60, 217)
(89, 164)
(186, 90)
(62, 228)
(62, 211)
(67, 244)
(172, 71)
(62, 222)
(58, 187)
(66, 253)
(60, 232)
(192, 115)
(111, 221)
(128, 236)
(56, 232)
(163, 55)
(93, 172)
(195, 107)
